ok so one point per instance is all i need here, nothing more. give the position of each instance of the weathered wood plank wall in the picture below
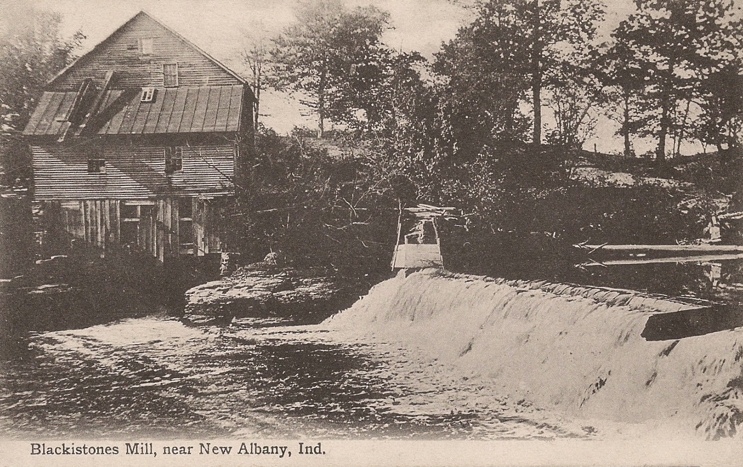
(132, 172)
(121, 53)
(164, 228)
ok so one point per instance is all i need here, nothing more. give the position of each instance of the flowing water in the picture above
(432, 355)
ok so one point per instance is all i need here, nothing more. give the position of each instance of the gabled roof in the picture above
(133, 18)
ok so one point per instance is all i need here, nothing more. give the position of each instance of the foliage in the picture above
(31, 52)
(721, 103)
(318, 210)
(334, 58)
(513, 48)
(672, 43)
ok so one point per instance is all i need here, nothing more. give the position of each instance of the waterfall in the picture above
(575, 350)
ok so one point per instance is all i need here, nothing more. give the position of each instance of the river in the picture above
(427, 357)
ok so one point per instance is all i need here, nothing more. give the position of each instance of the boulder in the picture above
(263, 290)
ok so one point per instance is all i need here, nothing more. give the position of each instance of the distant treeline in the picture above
(671, 70)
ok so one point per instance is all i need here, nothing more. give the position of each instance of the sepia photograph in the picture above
(371, 232)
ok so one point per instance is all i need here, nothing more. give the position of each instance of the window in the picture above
(145, 46)
(96, 166)
(170, 75)
(148, 94)
(173, 159)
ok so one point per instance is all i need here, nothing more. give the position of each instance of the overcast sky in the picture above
(219, 27)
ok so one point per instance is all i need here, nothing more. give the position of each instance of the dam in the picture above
(433, 355)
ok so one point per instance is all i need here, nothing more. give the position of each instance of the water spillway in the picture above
(578, 351)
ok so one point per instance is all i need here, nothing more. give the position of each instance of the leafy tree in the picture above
(619, 70)
(517, 47)
(31, 52)
(334, 58)
(721, 103)
(674, 41)
(254, 55)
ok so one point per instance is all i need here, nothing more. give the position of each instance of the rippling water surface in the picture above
(157, 376)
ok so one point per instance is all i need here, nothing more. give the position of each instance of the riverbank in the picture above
(85, 287)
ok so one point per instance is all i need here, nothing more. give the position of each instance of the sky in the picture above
(221, 26)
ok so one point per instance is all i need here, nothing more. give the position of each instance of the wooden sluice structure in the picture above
(418, 241)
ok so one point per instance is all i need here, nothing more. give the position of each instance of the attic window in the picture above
(148, 94)
(170, 75)
(145, 45)
(173, 159)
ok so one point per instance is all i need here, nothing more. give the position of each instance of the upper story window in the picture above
(173, 159)
(148, 94)
(145, 45)
(170, 74)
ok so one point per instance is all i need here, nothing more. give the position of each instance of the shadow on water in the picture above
(717, 284)
(689, 323)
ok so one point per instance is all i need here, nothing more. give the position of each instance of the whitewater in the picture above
(574, 351)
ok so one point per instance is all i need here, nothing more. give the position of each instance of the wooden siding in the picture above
(132, 172)
(120, 53)
(157, 227)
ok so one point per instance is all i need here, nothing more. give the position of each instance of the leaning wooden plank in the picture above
(676, 259)
(700, 248)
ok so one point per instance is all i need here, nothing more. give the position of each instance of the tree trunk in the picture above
(257, 108)
(665, 117)
(321, 103)
(682, 128)
(537, 77)
(626, 125)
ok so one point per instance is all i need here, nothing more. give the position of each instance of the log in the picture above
(676, 259)
(690, 248)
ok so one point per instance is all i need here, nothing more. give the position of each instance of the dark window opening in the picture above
(127, 211)
(129, 233)
(185, 232)
(173, 159)
(185, 207)
(97, 166)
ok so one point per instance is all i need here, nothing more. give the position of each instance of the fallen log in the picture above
(689, 248)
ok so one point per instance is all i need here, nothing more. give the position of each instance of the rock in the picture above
(263, 290)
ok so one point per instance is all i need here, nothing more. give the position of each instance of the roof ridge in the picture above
(161, 24)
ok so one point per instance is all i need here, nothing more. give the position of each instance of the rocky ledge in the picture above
(260, 290)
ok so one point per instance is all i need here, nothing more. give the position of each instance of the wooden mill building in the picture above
(135, 142)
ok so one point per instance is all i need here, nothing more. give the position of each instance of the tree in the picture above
(517, 46)
(721, 104)
(254, 55)
(674, 41)
(573, 108)
(31, 52)
(485, 81)
(619, 70)
(333, 57)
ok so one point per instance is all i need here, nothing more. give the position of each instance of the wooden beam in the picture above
(690, 248)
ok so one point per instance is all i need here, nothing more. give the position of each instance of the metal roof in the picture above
(202, 109)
